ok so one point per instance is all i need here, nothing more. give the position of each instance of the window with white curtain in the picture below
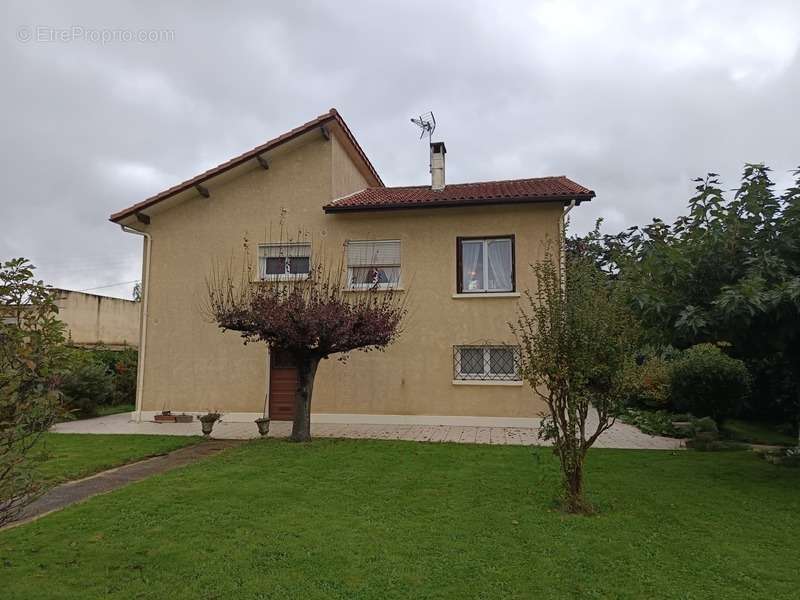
(373, 263)
(486, 363)
(486, 265)
(284, 261)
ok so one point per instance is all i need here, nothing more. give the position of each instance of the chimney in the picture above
(437, 165)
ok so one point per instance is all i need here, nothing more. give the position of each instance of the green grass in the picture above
(372, 519)
(114, 409)
(66, 456)
(757, 433)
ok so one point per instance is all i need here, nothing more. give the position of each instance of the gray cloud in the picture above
(631, 99)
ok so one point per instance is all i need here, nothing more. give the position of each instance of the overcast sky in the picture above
(631, 99)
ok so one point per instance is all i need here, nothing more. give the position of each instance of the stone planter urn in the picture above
(207, 422)
(263, 426)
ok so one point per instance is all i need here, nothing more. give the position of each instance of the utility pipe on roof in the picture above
(148, 243)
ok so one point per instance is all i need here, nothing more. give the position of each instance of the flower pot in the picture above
(165, 419)
(207, 427)
(184, 418)
(263, 426)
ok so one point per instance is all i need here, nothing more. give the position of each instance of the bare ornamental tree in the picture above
(311, 318)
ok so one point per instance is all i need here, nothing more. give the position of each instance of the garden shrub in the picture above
(121, 364)
(705, 425)
(124, 370)
(706, 382)
(651, 422)
(647, 385)
(84, 381)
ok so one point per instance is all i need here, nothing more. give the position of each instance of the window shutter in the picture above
(286, 250)
(373, 254)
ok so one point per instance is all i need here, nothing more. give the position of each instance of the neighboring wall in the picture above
(98, 320)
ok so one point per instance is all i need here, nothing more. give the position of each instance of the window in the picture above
(486, 363)
(284, 261)
(373, 264)
(485, 265)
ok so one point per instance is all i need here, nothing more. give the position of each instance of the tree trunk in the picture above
(306, 371)
(573, 484)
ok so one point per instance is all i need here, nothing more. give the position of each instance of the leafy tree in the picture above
(729, 271)
(29, 335)
(311, 319)
(576, 334)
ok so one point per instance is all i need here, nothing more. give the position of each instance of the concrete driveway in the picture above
(619, 436)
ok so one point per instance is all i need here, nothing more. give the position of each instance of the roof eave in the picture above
(461, 203)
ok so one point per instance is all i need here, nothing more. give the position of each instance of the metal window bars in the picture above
(486, 363)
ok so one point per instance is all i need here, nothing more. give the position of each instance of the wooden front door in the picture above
(282, 386)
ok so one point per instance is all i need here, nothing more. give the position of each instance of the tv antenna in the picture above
(427, 123)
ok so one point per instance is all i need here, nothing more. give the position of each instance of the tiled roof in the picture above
(540, 189)
(331, 115)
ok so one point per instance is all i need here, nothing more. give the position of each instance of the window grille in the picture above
(486, 363)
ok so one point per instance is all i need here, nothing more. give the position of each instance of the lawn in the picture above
(377, 519)
(757, 433)
(66, 456)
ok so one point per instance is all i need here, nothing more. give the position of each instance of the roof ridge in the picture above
(484, 182)
(335, 200)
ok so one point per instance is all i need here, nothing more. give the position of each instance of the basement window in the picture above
(373, 264)
(486, 363)
(281, 262)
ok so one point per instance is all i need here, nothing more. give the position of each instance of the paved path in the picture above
(77, 491)
(619, 436)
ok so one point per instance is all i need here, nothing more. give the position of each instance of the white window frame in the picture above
(369, 286)
(485, 255)
(262, 262)
(487, 374)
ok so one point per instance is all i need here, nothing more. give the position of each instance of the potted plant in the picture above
(263, 422)
(207, 421)
(166, 416)
(263, 426)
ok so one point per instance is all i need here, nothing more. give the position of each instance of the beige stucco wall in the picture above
(190, 365)
(98, 320)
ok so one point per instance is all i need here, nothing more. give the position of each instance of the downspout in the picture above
(148, 242)
(563, 239)
(570, 207)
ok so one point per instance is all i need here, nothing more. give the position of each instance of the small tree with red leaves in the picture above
(310, 318)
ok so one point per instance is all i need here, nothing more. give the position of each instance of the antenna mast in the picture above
(427, 123)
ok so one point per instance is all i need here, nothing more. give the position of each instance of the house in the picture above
(460, 251)
(94, 320)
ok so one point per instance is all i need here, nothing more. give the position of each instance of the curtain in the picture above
(499, 253)
(471, 266)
